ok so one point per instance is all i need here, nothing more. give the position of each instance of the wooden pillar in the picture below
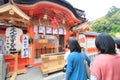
(68, 32)
(31, 45)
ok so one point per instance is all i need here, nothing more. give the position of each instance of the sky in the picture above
(94, 8)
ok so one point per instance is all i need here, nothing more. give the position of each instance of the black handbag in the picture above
(64, 68)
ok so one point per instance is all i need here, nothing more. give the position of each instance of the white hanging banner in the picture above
(35, 29)
(64, 30)
(55, 31)
(25, 44)
(42, 29)
(60, 31)
(49, 30)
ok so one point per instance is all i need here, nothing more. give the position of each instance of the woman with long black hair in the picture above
(76, 69)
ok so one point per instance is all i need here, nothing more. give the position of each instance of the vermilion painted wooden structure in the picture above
(65, 14)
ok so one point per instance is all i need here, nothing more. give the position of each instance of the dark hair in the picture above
(117, 41)
(73, 34)
(105, 44)
(67, 46)
(74, 45)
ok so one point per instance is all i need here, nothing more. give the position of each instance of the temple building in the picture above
(45, 25)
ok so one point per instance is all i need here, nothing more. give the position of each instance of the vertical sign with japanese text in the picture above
(25, 44)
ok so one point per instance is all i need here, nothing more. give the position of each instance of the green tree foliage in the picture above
(112, 11)
(109, 23)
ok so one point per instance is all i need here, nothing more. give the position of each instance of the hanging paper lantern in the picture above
(13, 43)
(54, 23)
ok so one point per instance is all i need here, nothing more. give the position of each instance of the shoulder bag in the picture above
(87, 67)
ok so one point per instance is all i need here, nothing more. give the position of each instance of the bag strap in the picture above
(87, 67)
(85, 58)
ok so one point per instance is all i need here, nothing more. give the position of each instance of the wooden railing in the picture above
(92, 56)
(55, 61)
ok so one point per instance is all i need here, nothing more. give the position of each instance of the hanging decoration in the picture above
(13, 43)
(39, 21)
(61, 32)
(41, 29)
(63, 21)
(54, 23)
(48, 30)
(45, 16)
(55, 31)
(25, 44)
(35, 29)
(64, 30)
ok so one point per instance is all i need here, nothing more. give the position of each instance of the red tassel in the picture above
(54, 23)
(21, 37)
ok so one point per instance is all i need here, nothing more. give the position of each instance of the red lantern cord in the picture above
(54, 23)
(21, 37)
